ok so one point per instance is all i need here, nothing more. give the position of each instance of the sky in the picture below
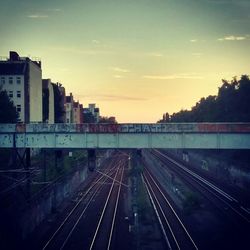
(135, 59)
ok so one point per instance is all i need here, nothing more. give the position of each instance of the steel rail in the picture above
(79, 218)
(208, 186)
(82, 213)
(172, 209)
(226, 195)
(115, 211)
(104, 210)
(98, 181)
(151, 193)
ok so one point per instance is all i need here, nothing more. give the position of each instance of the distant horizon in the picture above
(135, 59)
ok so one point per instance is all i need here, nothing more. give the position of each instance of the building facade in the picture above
(60, 97)
(91, 114)
(77, 113)
(48, 101)
(69, 105)
(21, 77)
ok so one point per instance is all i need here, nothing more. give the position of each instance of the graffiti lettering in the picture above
(127, 128)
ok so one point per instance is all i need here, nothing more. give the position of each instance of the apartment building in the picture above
(21, 77)
(69, 105)
(48, 101)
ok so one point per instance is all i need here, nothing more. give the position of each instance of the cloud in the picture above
(193, 40)
(173, 77)
(117, 76)
(41, 16)
(232, 38)
(82, 51)
(95, 41)
(54, 10)
(155, 54)
(121, 70)
(38, 16)
(108, 97)
(197, 54)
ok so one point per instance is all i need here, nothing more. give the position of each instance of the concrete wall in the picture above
(51, 104)
(35, 85)
(219, 169)
(49, 201)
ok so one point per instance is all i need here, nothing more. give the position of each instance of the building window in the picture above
(10, 80)
(18, 108)
(10, 93)
(18, 80)
(67, 120)
(18, 94)
(2, 80)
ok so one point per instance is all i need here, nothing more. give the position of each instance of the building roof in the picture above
(68, 98)
(10, 68)
(15, 65)
(76, 104)
(86, 110)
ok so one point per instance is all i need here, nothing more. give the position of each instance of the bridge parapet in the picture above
(162, 135)
(127, 128)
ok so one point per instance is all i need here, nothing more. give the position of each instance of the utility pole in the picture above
(27, 166)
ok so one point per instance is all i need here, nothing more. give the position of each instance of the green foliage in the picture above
(191, 202)
(5, 154)
(106, 119)
(230, 105)
(143, 203)
(8, 113)
(136, 171)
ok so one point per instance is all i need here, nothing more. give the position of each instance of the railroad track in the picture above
(174, 232)
(62, 235)
(103, 237)
(231, 205)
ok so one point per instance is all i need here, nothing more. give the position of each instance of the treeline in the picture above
(232, 104)
(8, 113)
(107, 119)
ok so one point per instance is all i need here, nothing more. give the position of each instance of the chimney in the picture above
(14, 56)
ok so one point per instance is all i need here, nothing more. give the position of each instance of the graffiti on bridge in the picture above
(127, 128)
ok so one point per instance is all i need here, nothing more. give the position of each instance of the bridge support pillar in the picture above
(58, 156)
(91, 159)
(44, 165)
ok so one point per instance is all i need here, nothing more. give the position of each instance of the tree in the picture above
(204, 110)
(166, 117)
(8, 113)
(243, 95)
(183, 115)
(230, 105)
(106, 119)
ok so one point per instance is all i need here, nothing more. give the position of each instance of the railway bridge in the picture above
(126, 136)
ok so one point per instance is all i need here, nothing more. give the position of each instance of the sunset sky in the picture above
(135, 58)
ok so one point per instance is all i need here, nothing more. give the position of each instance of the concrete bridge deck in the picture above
(160, 135)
